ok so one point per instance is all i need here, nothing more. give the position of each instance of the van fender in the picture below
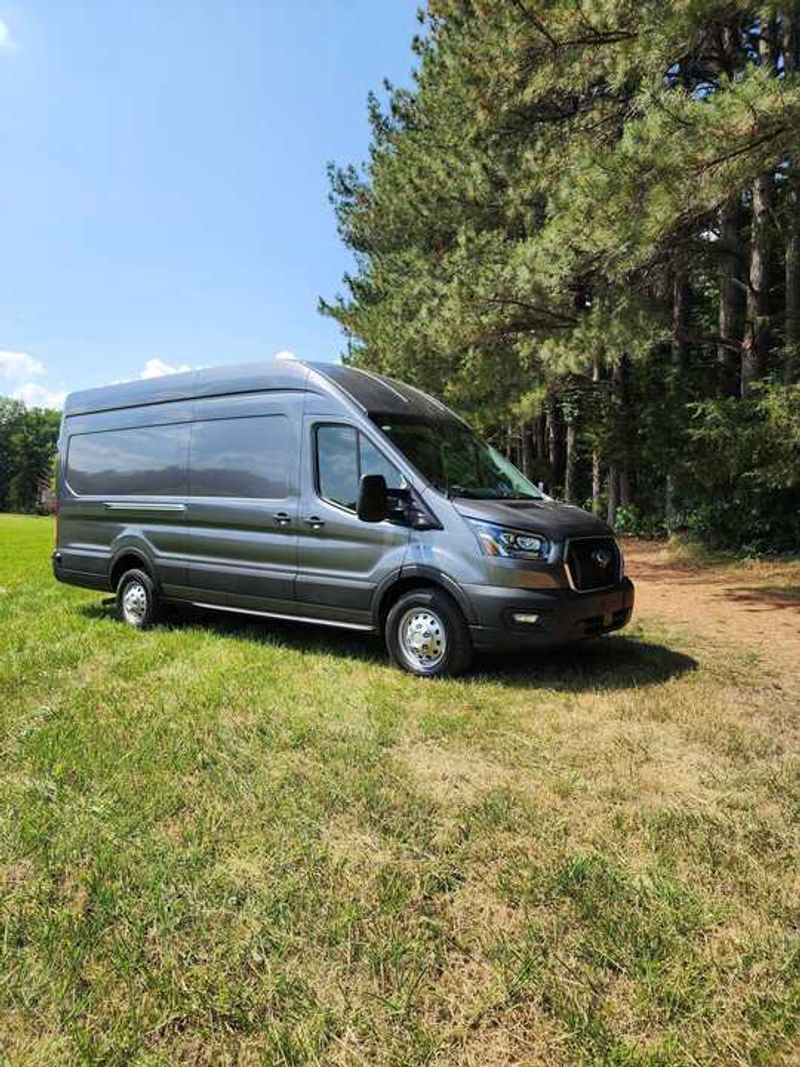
(406, 575)
(130, 545)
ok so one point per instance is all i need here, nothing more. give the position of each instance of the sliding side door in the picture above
(243, 500)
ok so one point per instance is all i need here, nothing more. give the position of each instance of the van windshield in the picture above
(455, 459)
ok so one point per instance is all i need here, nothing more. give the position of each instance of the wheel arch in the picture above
(126, 559)
(410, 578)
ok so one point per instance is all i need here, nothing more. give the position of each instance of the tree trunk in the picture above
(571, 460)
(618, 377)
(756, 337)
(613, 494)
(731, 289)
(791, 40)
(596, 473)
(621, 374)
(527, 449)
(597, 483)
(624, 488)
(792, 324)
(555, 446)
(541, 436)
(755, 348)
(729, 298)
(679, 350)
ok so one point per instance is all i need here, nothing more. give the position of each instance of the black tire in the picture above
(142, 607)
(439, 630)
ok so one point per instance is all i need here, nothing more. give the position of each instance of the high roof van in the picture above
(324, 494)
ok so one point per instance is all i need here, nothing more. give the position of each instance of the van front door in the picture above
(341, 559)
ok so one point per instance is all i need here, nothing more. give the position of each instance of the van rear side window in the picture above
(243, 457)
(142, 461)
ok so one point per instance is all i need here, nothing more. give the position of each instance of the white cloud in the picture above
(284, 354)
(16, 366)
(6, 40)
(157, 368)
(35, 395)
(16, 371)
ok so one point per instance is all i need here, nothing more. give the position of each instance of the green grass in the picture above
(223, 842)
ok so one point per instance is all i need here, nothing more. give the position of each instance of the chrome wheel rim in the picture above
(134, 603)
(423, 638)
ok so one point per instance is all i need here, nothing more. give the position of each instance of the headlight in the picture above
(511, 544)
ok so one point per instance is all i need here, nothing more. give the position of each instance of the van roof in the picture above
(209, 381)
(373, 393)
(377, 394)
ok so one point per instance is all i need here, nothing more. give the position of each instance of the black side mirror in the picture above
(373, 503)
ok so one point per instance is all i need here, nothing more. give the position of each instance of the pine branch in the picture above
(502, 301)
(536, 23)
(743, 150)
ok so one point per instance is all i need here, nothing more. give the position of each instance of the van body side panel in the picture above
(92, 540)
(243, 499)
(123, 488)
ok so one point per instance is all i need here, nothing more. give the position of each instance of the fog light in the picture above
(529, 620)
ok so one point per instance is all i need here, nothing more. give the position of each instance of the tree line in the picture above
(28, 439)
(580, 227)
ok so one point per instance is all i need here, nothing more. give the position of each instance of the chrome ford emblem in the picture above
(602, 557)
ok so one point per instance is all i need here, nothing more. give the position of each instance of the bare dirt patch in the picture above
(752, 604)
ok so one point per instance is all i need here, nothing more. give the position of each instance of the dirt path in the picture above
(751, 604)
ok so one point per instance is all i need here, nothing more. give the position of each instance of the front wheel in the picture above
(426, 634)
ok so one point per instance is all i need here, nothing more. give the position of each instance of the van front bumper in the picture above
(519, 618)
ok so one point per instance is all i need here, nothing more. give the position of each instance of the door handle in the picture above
(281, 518)
(314, 521)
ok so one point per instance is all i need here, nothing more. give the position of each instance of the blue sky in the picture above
(163, 196)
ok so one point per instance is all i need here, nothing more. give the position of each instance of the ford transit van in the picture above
(324, 494)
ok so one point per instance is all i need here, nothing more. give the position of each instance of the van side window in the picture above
(374, 462)
(337, 464)
(343, 456)
(243, 457)
(140, 461)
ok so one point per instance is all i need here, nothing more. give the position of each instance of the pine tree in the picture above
(564, 194)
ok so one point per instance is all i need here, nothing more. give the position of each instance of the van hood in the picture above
(547, 517)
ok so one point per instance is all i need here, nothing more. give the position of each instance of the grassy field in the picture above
(225, 842)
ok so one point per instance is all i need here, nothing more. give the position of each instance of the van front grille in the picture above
(593, 562)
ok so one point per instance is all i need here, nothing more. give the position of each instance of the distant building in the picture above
(45, 497)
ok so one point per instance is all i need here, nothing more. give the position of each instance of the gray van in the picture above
(324, 494)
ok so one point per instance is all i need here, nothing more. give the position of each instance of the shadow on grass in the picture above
(297, 636)
(602, 663)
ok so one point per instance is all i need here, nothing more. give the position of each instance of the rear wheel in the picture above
(137, 600)
(426, 634)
